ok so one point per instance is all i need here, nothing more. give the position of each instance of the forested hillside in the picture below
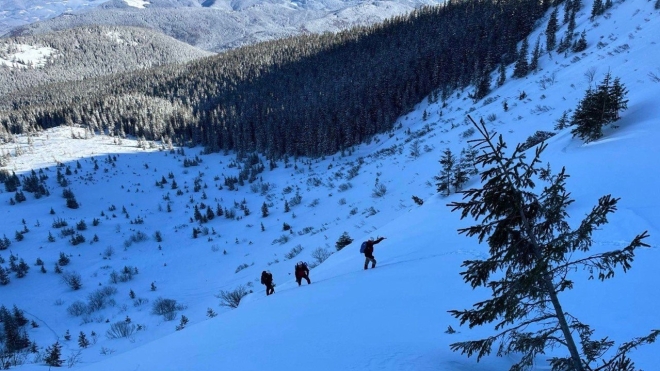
(309, 95)
(86, 52)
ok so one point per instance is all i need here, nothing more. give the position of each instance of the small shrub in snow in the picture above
(108, 252)
(77, 309)
(379, 190)
(282, 239)
(98, 299)
(241, 267)
(140, 301)
(293, 252)
(165, 307)
(59, 223)
(120, 329)
(536, 138)
(72, 279)
(467, 133)
(232, 298)
(138, 236)
(63, 260)
(320, 255)
(353, 172)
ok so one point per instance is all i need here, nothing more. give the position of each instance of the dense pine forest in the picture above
(303, 96)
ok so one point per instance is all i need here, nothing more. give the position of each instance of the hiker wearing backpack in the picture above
(302, 271)
(367, 248)
(267, 279)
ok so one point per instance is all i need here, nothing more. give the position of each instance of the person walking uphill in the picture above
(368, 250)
(267, 279)
(302, 271)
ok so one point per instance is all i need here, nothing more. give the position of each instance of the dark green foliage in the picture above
(264, 210)
(83, 342)
(483, 83)
(23, 268)
(59, 223)
(532, 250)
(551, 31)
(77, 239)
(501, 71)
(4, 276)
(71, 203)
(597, 9)
(81, 225)
(53, 354)
(536, 55)
(343, 241)
(12, 183)
(273, 98)
(35, 184)
(13, 336)
(581, 43)
(444, 180)
(63, 260)
(19, 197)
(536, 138)
(563, 122)
(521, 68)
(4, 243)
(599, 107)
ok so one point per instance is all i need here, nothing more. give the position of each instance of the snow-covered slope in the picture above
(393, 317)
(86, 52)
(215, 25)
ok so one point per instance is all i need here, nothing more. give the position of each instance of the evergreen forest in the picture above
(307, 95)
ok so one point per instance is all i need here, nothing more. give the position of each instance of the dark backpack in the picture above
(266, 277)
(363, 247)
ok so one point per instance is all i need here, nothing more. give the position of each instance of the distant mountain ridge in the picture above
(207, 24)
(86, 52)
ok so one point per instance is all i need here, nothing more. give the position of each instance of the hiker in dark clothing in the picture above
(369, 252)
(302, 271)
(267, 279)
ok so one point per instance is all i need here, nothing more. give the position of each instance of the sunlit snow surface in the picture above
(393, 317)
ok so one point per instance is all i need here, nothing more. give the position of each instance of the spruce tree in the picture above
(536, 55)
(444, 179)
(581, 43)
(343, 241)
(598, 108)
(501, 71)
(264, 210)
(597, 9)
(459, 176)
(532, 250)
(4, 277)
(551, 31)
(53, 354)
(82, 340)
(521, 68)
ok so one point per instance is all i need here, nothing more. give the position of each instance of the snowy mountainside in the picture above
(391, 318)
(86, 52)
(220, 25)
